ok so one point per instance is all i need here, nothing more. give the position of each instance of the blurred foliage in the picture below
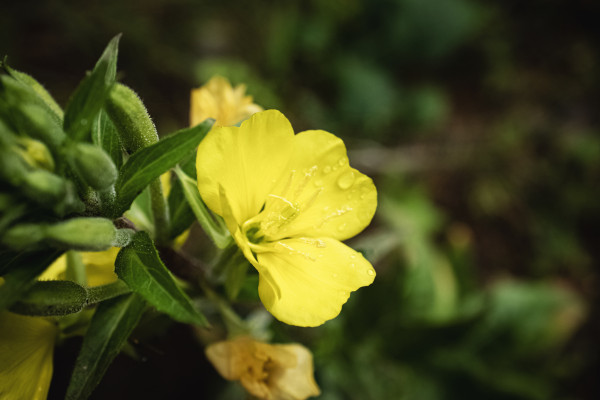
(478, 121)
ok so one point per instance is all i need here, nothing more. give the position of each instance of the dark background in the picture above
(478, 121)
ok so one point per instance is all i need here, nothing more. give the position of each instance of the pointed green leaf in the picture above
(104, 134)
(111, 325)
(150, 162)
(20, 273)
(141, 268)
(91, 93)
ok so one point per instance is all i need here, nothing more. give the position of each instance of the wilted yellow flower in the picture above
(100, 267)
(288, 201)
(219, 100)
(267, 371)
(26, 348)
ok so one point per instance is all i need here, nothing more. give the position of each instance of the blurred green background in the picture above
(478, 121)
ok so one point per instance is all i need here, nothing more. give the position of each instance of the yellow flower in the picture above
(100, 267)
(219, 100)
(274, 372)
(288, 201)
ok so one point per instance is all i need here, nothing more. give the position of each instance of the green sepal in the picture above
(90, 95)
(20, 273)
(181, 214)
(142, 269)
(111, 325)
(236, 272)
(212, 225)
(149, 163)
(37, 87)
(131, 119)
(104, 134)
(59, 298)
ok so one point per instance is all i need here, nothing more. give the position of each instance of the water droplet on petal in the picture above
(346, 180)
(327, 169)
(353, 256)
(352, 265)
(342, 227)
(342, 161)
(370, 272)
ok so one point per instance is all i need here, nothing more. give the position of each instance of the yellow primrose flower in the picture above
(288, 201)
(274, 372)
(26, 348)
(219, 100)
(99, 267)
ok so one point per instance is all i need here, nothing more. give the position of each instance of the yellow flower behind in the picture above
(288, 201)
(99, 267)
(273, 372)
(219, 100)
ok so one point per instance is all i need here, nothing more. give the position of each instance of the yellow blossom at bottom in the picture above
(267, 371)
(26, 348)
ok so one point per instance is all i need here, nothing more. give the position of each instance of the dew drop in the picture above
(342, 227)
(352, 265)
(342, 161)
(370, 272)
(353, 256)
(327, 169)
(346, 180)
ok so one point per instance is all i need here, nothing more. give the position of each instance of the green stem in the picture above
(75, 268)
(97, 294)
(160, 211)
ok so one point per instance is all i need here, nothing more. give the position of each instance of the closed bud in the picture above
(23, 236)
(131, 119)
(44, 187)
(86, 234)
(35, 153)
(93, 166)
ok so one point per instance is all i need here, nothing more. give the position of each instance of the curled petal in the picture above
(314, 278)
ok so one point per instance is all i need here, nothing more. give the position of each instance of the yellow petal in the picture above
(246, 161)
(26, 348)
(331, 198)
(314, 276)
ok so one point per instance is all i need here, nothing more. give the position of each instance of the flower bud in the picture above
(35, 153)
(91, 234)
(128, 114)
(93, 166)
(44, 187)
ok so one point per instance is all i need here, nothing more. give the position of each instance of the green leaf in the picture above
(104, 134)
(20, 274)
(113, 322)
(236, 273)
(181, 215)
(141, 268)
(150, 162)
(91, 93)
